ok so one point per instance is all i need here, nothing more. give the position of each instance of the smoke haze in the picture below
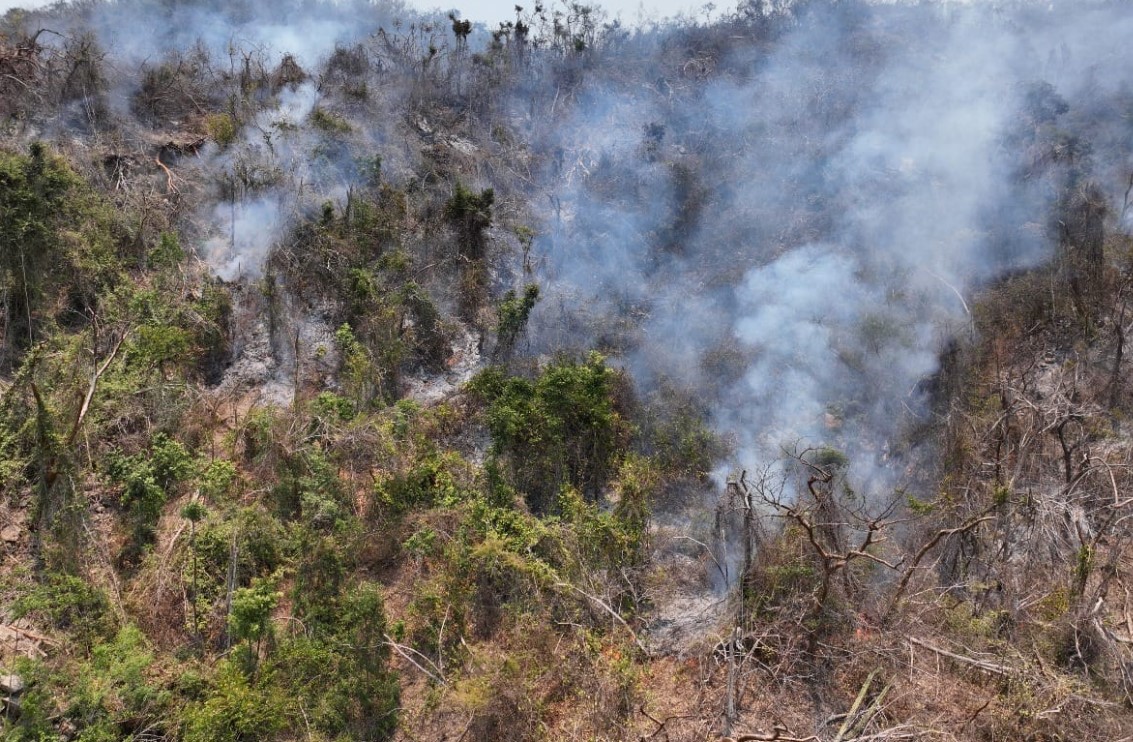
(783, 213)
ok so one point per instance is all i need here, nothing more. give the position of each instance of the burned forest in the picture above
(369, 373)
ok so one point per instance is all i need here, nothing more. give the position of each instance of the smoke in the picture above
(278, 148)
(818, 205)
(783, 213)
(253, 228)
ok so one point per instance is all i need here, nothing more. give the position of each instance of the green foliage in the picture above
(829, 458)
(105, 695)
(422, 543)
(470, 214)
(221, 128)
(12, 465)
(217, 477)
(250, 619)
(370, 168)
(309, 488)
(460, 28)
(161, 344)
(236, 710)
(260, 544)
(56, 245)
(170, 462)
(429, 339)
(919, 507)
(676, 436)
(208, 320)
(168, 252)
(172, 335)
(319, 576)
(329, 123)
(513, 315)
(434, 477)
(114, 687)
(334, 408)
(71, 604)
(370, 376)
(613, 539)
(333, 679)
(194, 512)
(779, 584)
(147, 479)
(337, 676)
(562, 428)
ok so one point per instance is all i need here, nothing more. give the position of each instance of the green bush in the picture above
(562, 428)
(337, 676)
(434, 478)
(147, 479)
(56, 246)
(113, 691)
(70, 604)
(217, 477)
(261, 547)
(235, 710)
(470, 214)
(330, 123)
(513, 315)
(222, 128)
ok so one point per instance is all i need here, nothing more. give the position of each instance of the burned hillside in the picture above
(374, 374)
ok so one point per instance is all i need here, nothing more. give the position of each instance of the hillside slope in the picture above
(370, 375)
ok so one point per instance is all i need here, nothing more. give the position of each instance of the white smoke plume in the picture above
(846, 186)
(783, 212)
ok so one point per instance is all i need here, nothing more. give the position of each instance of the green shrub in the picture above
(329, 123)
(260, 541)
(319, 577)
(235, 710)
(513, 315)
(168, 252)
(222, 128)
(113, 692)
(371, 376)
(337, 677)
(147, 479)
(70, 604)
(333, 408)
(434, 478)
(562, 428)
(217, 478)
(430, 341)
(56, 246)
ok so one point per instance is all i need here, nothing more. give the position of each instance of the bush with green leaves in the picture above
(216, 478)
(337, 675)
(470, 214)
(68, 603)
(513, 315)
(370, 377)
(309, 489)
(57, 247)
(147, 479)
(236, 709)
(433, 478)
(429, 339)
(676, 436)
(108, 695)
(250, 620)
(258, 541)
(562, 428)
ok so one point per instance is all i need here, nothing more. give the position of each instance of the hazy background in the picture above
(492, 12)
